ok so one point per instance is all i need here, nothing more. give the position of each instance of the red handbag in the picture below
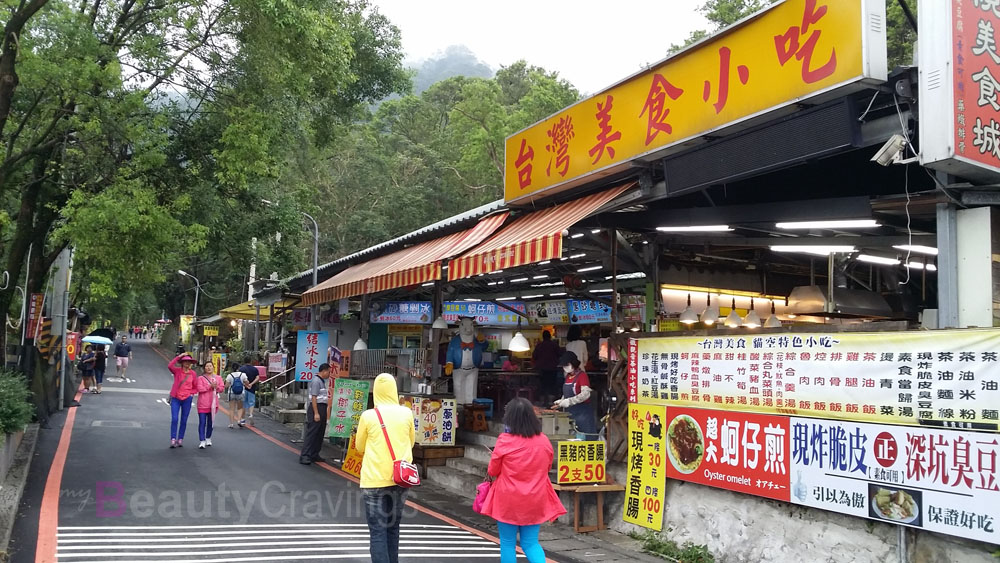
(404, 473)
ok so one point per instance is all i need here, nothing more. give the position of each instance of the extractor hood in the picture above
(811, 300)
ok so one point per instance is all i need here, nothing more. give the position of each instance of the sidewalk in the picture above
(557, 539)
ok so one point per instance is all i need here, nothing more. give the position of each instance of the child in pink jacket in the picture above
(209, 386)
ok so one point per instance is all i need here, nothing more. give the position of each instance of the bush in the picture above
(688, 553)
(15, 402)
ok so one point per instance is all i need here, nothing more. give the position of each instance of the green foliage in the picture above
(15, 402)
(688, 553)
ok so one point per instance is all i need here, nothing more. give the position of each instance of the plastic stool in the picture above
(489, 407)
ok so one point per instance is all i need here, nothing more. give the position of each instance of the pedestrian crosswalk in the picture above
(304, 541)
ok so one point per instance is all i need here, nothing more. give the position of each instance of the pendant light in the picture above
(773, 321)
(734, 320)
(688, 316)
(752, 319)
(360, 344)
(711, 313)
(519, 343)
(440, 323)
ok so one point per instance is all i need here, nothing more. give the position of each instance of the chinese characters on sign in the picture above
(938, 378)
(350, 399)
(483, 312)
(796, 50)
(977, 68)
(580, 462)
(588, 312)
(405, 312)
(35, 305)
(434, 422)
(548, 312)
(210, 330)
(353, 459)
(276, 362)
(645, 491)
(219, 361)
(310, 353)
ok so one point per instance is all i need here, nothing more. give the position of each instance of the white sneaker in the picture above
(208, 442)
(201, 445)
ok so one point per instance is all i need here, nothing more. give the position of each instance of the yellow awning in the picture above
(248, 311)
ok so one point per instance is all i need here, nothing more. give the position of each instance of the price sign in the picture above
(581, 462)
(645, 493)
(353, 459)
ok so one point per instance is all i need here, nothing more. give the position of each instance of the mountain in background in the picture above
(456, 60)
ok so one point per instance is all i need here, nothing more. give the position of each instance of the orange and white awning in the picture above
(535, 237)
(417, 264)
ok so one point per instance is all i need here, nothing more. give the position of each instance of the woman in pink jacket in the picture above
(209, 386)
(521, 498)
(180, 396)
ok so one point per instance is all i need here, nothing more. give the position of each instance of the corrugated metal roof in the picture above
(451, 223)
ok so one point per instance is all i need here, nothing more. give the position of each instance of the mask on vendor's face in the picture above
(568, 369)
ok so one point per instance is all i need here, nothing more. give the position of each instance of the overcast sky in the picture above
(591, 43)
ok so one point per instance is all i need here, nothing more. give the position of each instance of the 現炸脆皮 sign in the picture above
(403, 312)
(929, 378)
(350, 399)
(646, 488)
(484, 312)
(795, 50)
(580, 462)
(310, 353)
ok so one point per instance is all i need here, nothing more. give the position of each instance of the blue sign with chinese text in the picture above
(484, 312)
(403, 312)
(310, 353)
(588, 312)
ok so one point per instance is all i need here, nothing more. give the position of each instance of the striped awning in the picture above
(535, 237)
(417, 264)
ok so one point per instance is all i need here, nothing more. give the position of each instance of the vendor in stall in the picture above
(576, 396)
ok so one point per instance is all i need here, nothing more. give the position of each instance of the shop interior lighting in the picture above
(518, 280)
(577, 235)
(557, 294)
(232, 323)
(734, 320)
(697, 291)
(519, 343)
(821, 250)
(878, 260)
(752, 319)
(440, 323)
(711, 312)
(849, 224)
(360, 344)
(688, 316)
(918, 248)
(635, 327)
(428, 284)
(575, 256)
(595, 231)
(696, 229)
(541, 277)
(773, 321)
(544, 262)
(589, 269)
(601, 290)
(532, 296)
(920, 266)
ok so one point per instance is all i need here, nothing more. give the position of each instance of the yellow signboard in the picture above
(210, 330)
(795, 50)
(645, 492)
(353, 458)
(581, 462)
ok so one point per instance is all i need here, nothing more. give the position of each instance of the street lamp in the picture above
(197, 290)
(314, 310)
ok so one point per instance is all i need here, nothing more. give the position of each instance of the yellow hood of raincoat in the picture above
(376, 467)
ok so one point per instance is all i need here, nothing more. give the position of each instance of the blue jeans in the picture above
(249, 400)
(183, 408)
(529, 543)
(384, 509)
(99, 376)
(204, 425)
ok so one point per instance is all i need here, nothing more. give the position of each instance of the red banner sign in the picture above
(35, 304)
(742, 452)
(72, 345)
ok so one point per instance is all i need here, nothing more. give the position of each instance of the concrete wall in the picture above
(741, 528)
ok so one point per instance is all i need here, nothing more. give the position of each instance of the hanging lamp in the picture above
(773, 321)
(752, 319)
(688, 316)
(519, 343)
(711, 313)
(734, 320)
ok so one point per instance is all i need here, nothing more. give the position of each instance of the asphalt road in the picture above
(119, 493)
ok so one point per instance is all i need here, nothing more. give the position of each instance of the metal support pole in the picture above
(829, 282)
(947, 242)
(613, 235)
(314, 310)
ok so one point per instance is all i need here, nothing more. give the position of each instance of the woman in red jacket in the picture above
(521, 498)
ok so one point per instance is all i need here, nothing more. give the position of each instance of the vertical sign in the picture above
(645, 492)
(35, 304)
(353, 459)
(345, 364)
(581, 462)
(350, 399)
(72, 345)
(310, 353)
(219, 361)
(433, 420)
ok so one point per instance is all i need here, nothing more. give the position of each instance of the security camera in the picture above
(891, 151)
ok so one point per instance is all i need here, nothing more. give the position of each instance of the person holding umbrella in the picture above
(180, 396)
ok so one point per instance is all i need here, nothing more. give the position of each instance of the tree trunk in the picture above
(8, 56)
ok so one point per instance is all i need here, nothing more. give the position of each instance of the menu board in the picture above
(350, 399)
(588, 312)
(484, 312)
(645, 492)
(276, 362)
(939, 480)
(580, 462)
(946, 378)
(403, 312)
(548, 312)
(433, 420)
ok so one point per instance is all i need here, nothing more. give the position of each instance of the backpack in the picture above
(237, 388)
